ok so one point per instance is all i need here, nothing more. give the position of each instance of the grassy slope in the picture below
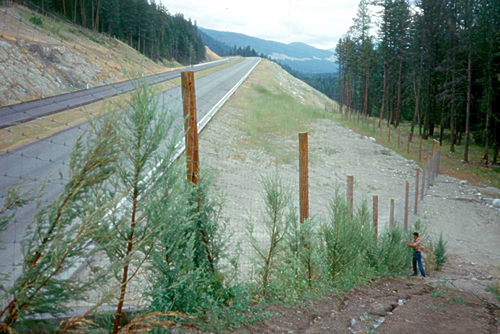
(282, 105)
(278, 107)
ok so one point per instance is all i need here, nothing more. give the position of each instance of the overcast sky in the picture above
(316, 22)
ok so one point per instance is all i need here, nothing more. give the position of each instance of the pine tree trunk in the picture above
(398, 98)
(82, 12)
(469, 87)
(383, 99)
(130, 243)
(467, 112)
(348, 92)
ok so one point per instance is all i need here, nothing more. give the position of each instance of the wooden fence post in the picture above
(375, 215)
(408, 144)
(190, 125)
(350, 191)
(420, 150)
(407, 204)
(391, 215)
(416, 190)
(303, 176)
(429, 174)
(399, 136)
(422, 191)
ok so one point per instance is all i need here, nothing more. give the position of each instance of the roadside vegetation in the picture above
(164, 248)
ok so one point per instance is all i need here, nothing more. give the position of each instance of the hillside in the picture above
(299, 56)
(58, 57)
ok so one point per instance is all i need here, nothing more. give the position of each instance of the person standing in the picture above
(417, 247)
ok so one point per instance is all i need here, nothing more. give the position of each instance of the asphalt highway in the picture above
(27, 111)
(48, 157)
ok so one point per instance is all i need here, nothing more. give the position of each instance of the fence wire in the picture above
(237, 168)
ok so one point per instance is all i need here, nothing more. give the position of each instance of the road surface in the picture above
(24, 112)
(49, 156)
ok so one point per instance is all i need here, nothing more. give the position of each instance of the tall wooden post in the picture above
(303, 176)
(429, 174)
(422, 191)
(190, 126)
(407, 204)
(408, 144)
(389, 133)
(399, 136)
(420, 150)
(391, 215)
(350, 191)
(375, 215)
(416, 190)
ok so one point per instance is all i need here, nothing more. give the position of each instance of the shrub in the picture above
(275, 221)
(440, 252)
(36, 20)
(345, 236)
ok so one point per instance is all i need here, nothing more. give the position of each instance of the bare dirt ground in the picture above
(387, 306)
(468, 221)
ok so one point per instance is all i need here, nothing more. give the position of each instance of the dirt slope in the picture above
(55, 58)
(211, 56)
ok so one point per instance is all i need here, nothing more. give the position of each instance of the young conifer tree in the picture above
(60, 234)
(143, 171)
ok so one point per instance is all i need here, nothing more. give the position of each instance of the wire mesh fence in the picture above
(237, 170)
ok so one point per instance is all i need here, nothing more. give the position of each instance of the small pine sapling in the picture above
(440, 252)
(277, 198)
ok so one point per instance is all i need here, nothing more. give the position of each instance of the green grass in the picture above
(272, 115)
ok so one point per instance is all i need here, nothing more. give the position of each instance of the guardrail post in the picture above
(190, 125)
(303, 176)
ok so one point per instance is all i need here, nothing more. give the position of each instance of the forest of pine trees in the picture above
(433, 63)
(145, 25)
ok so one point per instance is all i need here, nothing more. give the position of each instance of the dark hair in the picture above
(415, 234)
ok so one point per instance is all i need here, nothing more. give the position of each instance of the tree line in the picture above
(145, 25)
(433, 63)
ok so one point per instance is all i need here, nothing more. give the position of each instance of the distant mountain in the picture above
(299, 56)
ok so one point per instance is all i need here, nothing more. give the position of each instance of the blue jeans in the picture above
(417, 258)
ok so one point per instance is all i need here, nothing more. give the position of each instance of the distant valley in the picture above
(299, 56)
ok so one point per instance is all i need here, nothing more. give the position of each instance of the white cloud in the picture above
(316, 22)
